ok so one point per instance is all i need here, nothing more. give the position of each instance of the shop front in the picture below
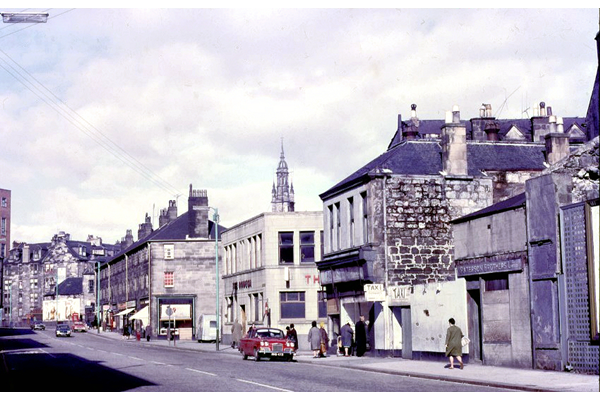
(176, 315)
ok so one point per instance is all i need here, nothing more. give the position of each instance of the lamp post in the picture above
(216, 221)
(98, 296)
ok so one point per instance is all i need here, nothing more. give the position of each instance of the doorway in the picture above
(474, 325)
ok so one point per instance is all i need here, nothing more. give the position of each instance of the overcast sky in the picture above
(108, 114)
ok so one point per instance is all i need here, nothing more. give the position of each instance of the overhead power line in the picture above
(82, 124)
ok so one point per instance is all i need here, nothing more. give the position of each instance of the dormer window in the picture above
(83, 251)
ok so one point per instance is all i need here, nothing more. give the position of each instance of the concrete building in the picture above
(32, 271)
(170, 269)
(270, 277)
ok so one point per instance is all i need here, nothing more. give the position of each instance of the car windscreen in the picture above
(270, 334)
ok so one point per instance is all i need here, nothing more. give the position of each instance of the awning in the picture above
(141, 315)
(125, 312)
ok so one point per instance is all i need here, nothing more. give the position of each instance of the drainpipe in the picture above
(149, 284)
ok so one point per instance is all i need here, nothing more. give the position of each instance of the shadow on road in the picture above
(26, 366)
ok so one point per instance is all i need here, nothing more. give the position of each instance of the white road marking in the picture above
(135, 358)
(267, 386)
(156, 362)
(201, 372)
(116, 354)
(90, 348)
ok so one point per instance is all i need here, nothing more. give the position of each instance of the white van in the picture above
(207, 328)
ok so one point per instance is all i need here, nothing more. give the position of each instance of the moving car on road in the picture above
(63, 330)
(267, 342)
(38, 326)
(79, 326)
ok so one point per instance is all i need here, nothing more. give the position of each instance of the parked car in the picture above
(79, 326)
(267, 342)
(38, 326)
(63, 330)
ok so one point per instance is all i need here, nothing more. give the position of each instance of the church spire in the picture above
(282, 197)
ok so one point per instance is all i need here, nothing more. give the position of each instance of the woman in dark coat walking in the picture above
(347, 336)
(453, 344)
(361, 337)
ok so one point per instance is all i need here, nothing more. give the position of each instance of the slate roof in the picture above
(175, 230)
(434, 126)
(424, 157)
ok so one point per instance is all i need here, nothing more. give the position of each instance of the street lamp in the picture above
(216, 221)
(98, 295)
(24, 17)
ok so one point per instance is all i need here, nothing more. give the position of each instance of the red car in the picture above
(267, 342)
(78, 326)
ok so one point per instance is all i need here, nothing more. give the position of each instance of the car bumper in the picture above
(267, 352)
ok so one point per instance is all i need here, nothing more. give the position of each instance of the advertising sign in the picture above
(374, 292)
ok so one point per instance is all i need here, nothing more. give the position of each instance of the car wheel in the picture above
(244, 355)
(256, 356)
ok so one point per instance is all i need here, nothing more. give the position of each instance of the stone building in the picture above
(172, 267)
(5, 206)
(32, 271)
(269, 273)
(388, 241)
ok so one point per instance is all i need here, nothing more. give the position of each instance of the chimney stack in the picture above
(540, 125)
(168, 214)
(454, 144)
(127, 240)
(145, 229)
(478, 124)
(491, 131)
(198, 213)
(557, 142)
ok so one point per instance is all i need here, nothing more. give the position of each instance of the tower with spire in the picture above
(282, 193)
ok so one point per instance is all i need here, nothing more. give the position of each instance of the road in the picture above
(38, 361)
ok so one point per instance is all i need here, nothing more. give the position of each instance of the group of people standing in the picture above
(319, 340)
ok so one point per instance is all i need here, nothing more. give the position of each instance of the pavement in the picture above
(485, 375)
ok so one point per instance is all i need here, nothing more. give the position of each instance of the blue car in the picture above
(63, 330)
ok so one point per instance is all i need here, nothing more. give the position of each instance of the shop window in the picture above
(286, 247)
(292, 304)
(307, 247)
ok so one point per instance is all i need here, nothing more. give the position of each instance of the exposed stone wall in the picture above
(582, 166)
(509, 183)
(419, 209)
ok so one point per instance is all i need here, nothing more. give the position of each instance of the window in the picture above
(3, 227)
(33, 283)
(331, 228)
(292, 304)
(322, 304)
(338, 226)
(90, 286)
(169, 251)
(307, 247)
(4, 202)
(351, 215)
(169, 279)
(286, 247)
(365, 217)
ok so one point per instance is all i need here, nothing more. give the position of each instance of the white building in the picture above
(270, 276)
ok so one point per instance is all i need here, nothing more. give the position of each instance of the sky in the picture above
(107, 114)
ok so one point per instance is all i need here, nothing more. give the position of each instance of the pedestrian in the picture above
(314, 339)
(361, 337)
(347, 335)
(251, 330)
(294, 336)
(324, 341)
(148, 332)
(236, 334)
(138, 334)
(453, 343)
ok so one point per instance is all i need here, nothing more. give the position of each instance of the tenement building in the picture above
(32, 272)
(388, 241)
(270, 277)
(167, 276)
(5, 206)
